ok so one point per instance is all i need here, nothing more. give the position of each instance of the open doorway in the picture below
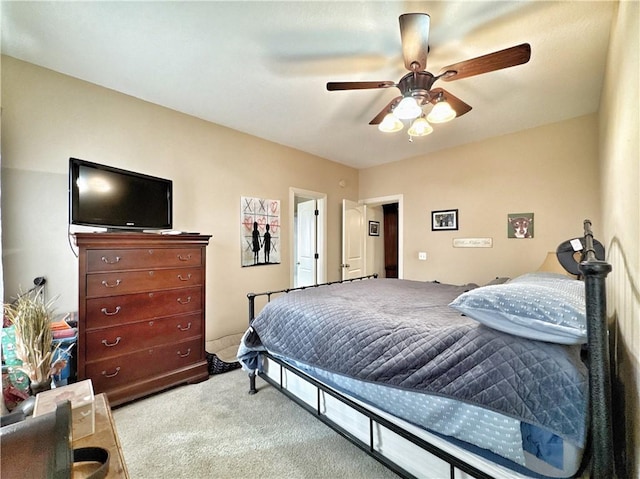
(384, 253)
(308, 227)
(354, 231)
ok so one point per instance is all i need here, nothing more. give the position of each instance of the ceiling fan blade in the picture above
(509, 57)
(456, 103)
(358, 85)
(414, 32)
(387, 109)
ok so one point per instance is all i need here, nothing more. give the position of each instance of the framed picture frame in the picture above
(444, 220)
(374, 228)
(260, 231)
(520, 225)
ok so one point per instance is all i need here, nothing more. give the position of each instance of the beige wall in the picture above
(620, 165)
(48, 117)
(542, 171)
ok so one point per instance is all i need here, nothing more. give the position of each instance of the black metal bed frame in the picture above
(594, 273)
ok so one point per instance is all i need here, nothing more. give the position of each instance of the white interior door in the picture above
(353, 231)
(316, 240)
(306, 247)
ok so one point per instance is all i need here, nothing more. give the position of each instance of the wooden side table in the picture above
(105, 436)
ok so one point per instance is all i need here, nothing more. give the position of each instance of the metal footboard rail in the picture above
(252, 307)
(252, 296)
(454, 462)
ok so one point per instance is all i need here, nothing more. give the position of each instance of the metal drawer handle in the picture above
(107, 313)
(107, 285)
(185, 329)
(186, 354)
(184, 258)
(117, 260)
(184, 302)
(110, 345)
(181, 278)
(107, 375)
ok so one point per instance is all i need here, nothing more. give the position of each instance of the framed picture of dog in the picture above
(520, 225)
(443, 220)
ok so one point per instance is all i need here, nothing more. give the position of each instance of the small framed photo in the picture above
(520, 225)
(444, 220)
(374, 228)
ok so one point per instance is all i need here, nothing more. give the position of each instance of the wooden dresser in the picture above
(141, 317)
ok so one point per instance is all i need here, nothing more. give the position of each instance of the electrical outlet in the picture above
(422, 255)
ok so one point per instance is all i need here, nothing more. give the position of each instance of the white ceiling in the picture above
(262, 67)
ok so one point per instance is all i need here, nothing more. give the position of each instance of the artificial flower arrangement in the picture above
(31, 316)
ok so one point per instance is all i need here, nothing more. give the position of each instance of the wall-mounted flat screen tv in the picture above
(101, 195)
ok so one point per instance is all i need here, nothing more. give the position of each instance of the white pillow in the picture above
(544, 306)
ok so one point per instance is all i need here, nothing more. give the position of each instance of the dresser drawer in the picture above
(107, 342)
(144, 364)
(116, 283)
(141, 258)
(115, 310)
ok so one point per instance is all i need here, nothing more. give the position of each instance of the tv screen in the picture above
(105, 196)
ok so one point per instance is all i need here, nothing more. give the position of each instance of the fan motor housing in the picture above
(417, 84)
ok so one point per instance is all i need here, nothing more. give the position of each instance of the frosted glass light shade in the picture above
(420, 127)
(390, 124)
(407, 109)
(441, 112)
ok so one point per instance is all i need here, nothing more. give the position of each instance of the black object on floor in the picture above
(218, 366)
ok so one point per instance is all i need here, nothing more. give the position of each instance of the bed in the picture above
(437, 380)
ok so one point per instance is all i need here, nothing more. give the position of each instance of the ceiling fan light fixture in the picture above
(441, 112)
(390, 124)
(407, 109)
(420, 127)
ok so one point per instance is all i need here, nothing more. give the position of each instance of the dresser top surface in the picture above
(99, 240)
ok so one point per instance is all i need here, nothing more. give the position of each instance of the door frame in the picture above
(321, 232)
(383, 200)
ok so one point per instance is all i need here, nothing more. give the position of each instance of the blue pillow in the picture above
(543, 306)
(544, 277)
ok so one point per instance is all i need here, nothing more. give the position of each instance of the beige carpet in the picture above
(215, 429)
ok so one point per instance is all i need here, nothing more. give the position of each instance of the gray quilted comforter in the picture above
(402, 334)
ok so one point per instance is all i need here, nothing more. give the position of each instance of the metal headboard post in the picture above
(595, 272)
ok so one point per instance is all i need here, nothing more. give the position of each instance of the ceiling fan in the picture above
(416, 87)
